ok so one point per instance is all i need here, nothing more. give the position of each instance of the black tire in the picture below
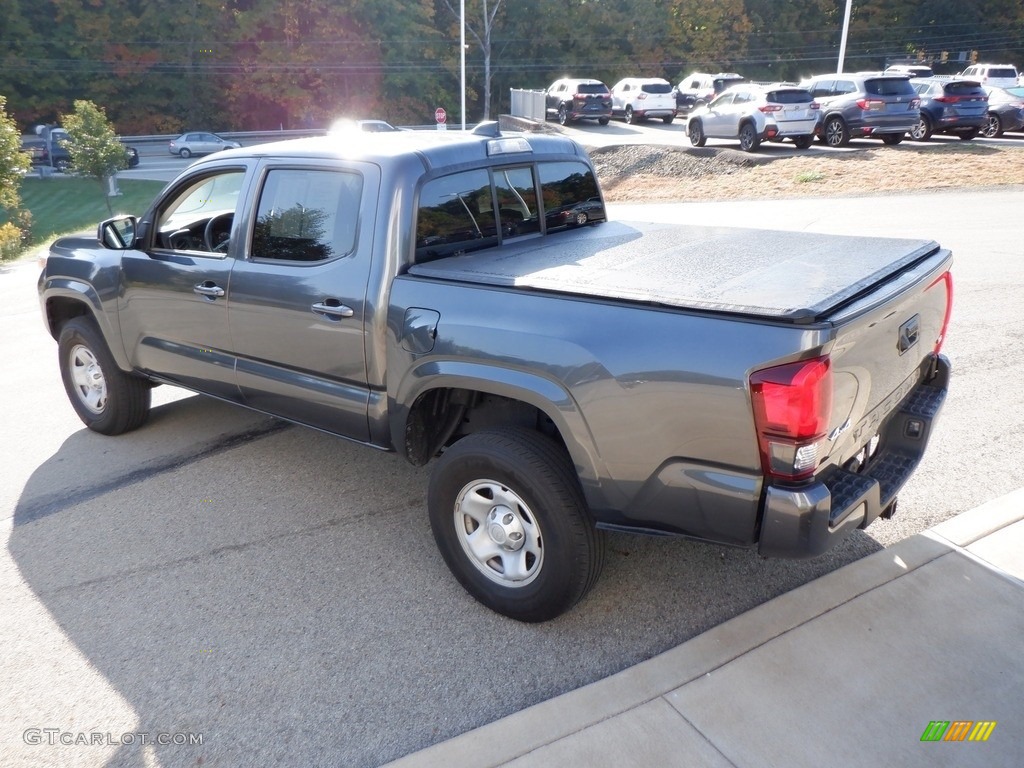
(106, 399)
(749, 141)
(628, 115)
(695, 132)
(534, 494)
(968, 135)
(803, 142)
(563, 115)
(63, 165)
(892, 139)
(835, 132)
(667, 120)
(185, 153)
(602, 121)
(993, 127)
(923, 130)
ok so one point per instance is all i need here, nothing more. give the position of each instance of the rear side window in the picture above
(822, 89)
(790, 96)
(656, 88)
(307, 215)
(889, 87)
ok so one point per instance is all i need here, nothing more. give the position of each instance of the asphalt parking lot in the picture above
(277, 592)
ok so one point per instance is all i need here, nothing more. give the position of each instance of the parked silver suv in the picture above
(861, 105)
(756, 113)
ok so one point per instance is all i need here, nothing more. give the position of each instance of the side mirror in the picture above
(118, 234)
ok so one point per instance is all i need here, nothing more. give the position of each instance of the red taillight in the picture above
(792, 406)
(642, 95)
(814, 105)
(946, 279)
(915, 103)
(871, 104)
(948, 99)
(770, 108)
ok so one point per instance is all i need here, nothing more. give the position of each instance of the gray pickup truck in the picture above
(460, 296)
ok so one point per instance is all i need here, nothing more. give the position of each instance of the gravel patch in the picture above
(644, 173)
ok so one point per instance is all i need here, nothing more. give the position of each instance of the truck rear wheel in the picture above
(510, 521)
(106, 399)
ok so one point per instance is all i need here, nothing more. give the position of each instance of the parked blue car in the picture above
(955, 106)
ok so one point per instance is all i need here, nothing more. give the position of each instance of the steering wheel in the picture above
(217, 234)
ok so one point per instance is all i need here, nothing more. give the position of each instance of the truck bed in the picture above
(790, 276)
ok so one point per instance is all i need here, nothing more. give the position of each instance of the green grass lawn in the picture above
(60, 206)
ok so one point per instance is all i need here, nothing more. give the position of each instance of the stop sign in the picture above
(440, 115)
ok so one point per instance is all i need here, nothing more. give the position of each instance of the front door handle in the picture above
(332, 309)
(209, 289)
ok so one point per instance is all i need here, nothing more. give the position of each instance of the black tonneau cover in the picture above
(794, 276)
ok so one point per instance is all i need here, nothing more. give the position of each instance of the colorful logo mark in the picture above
(958, 730)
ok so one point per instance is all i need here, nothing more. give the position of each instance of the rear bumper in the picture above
(808, 520)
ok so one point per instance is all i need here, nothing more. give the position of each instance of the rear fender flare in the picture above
(548, 396)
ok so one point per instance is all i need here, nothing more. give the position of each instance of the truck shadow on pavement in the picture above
(282, 596)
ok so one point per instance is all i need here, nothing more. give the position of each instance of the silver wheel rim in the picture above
(834, 133)
(87, 378)
(499, 533)
(746, 138)
(918, 131)
(581, 218)
(991, 127)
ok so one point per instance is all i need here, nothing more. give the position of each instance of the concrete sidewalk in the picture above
(848, 670)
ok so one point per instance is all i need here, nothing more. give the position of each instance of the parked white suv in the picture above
(756, 113)
(639, 98)
(993, 75)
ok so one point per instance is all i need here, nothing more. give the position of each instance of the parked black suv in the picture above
(699, 88)
(572, 99)
(950, 106)
(862, 105)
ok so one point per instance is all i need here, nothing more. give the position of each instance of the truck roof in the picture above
(437, 149)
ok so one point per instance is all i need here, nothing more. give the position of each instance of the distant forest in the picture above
(268, 64)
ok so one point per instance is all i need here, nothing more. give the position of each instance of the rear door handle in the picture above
(209, 289)
(332, 309)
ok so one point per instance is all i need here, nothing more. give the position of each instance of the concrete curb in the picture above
(641, 687)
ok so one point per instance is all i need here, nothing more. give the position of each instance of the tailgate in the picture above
(885, 346)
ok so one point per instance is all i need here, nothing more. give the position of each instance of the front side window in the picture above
(199, 215)
(307, 215)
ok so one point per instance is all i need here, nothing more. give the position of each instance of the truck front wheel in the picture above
(106, 399)
(509, 519)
